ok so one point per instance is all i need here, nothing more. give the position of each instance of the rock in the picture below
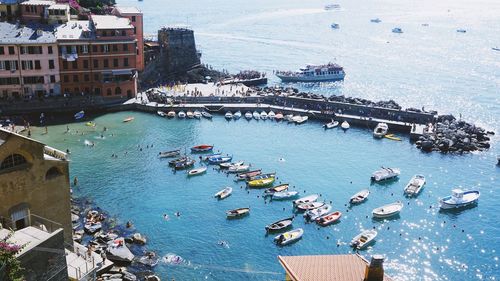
(139, 239)
(427, 145)
(127, 276)
(152, 278)
(117, 269)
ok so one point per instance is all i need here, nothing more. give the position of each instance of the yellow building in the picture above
(9, 10)
(34, 185)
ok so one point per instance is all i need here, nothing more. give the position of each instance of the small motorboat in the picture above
(202, 148)
(197, 114)
(363, 239)
(248, 115)
(79, 115)
(161, 113)
(238, 169)
(171, 114)
(92, 227)
(271, 115)
(280, 225)
(295, 119)
(388, 210)
(237, 115)
(189, 114)
(264, 182)
(495, 48)
(312, 215)
(376, 20)
(279, 116)
(461, 30)
(227, 165)
(237, 213)
(329, 218)
(184, 164)
(288, 117)
(359, 197)
(284, 195)
(307, 199)
(206, 115)
(345, 125)
(262, 176)
(228, 115)
(263, 115)
(302, 119)
(205, 157)
(392, 137)
(168, 154)
(309, 206)
(289, 237)
(397, 30)
(459, 199)
(278, 188)
(197, 171)
(177, 160)
(415, 185)
(256, 115)
(219, 159)
(380, 130)
(224, 193)
(332, 7)
(332, 124)
(385, 174)
(128, 119)
(90, 124)
(335, 26)
(248, 175)
(181, 114)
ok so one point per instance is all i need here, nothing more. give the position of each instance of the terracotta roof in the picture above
(325, 267)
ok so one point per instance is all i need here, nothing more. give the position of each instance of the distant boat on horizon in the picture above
(397, 30)
(376, 20)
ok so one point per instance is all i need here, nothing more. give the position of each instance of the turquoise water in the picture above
(423, 244)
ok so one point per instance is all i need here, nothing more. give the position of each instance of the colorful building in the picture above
(9, 10)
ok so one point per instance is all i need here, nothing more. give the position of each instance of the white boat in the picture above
(271, 114)
(248, 115)
(238, 169)
(227, 165)
(197, 171)
(161, 113)
(307, 199)
(288, 117)
(345, 125)
(289, 237)
(385, 174)
(359, 197)
(461, 30)
(256, 115)
(237, 115)
(279, 116)
(459, 199)
(224, 193)
(282, 195)
(228, 115)
(495, 48)
(190, 114)
(309, 206)
(313, 73)
(331, 125)
(171, 114)
(335, 26)
(397, 30)
(314, 214)
(388, 210)
(263, 115)
(363, 239)
(206, 115)
(237, 213)
(295, 119)
(181, 114)
(381, 130)
(302, 119)
(415, 185)
(332, 7)
(197, 114)
(376, 20)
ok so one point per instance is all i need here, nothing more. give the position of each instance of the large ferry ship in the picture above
(313, 73)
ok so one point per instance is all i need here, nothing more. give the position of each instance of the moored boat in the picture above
(238, 169)
(79, 115)
(278, 188)
(171, 114)
(248, 175)
(388, 210)
(184, 164)
(206, 115)
(289, 237)
(345, 125)
(237, 213)
(363, 239)
(307, 199)
(312, 215)
(237, 115)
(380, 130)
(161, 113)
(248, 115)
(288, 117)
(459, 199)
(202, 148)
(313, 73)
(415, 185)
(206, 156)
(262, 176)
(397, 30)
(264, 182)
(283, 195)
(181, 114)
(309, 206)
(197, 171)
(168, 154)
(359, 197)
(189, 114)
(263, 115)
(256, 115)
(228, 115)
(279, 116)
(271, 115)
(128, 119)
(224, 193)
(280, 225)
(332, 124)
(329, 218)
(177, 160)
(219, 159)
(385, 174)
(335, 26)
(376, 20)
(197, 114)
(302, 119)
(227, 165)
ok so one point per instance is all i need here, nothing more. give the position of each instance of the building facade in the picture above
(135, 17)
(9, 10)
(34, 185)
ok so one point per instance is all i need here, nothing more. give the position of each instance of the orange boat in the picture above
(329, 219)
(202, 148)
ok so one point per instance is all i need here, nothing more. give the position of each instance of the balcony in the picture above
(69, 57)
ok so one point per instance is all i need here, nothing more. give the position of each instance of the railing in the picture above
(88, 267)
(55, 153)
(43, 223)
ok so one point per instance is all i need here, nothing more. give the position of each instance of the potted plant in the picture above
(10, 266)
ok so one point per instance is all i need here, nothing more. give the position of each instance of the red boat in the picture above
(329, 219)
(202, 148)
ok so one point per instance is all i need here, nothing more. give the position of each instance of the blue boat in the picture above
(79, 115)
(459, 199)
(219, 159)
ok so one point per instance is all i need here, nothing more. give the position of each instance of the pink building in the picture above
(135, 17)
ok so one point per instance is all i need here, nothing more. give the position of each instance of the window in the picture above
(96, 64)
(75, 78)
(53, 173)
(12, 161)
(37, 64)
(86, 78)
(124, 33)
(52, 79)
(97, 91)
(94, 48)
(115, 48)
(2, 65)
(96, 77)
(65, 64)
(133, 18)
(85, 49)
(27, 65)
(11, 50)
(105, 48)
(9, 81)
(66, 78)
(104, 33)
(50, 49)
(85, 64)
(33, 79)
(51, 64)
(74, 64)
(108, 92)
(2, 50)
(118, 91)
(135, 30)
(115, 62)
(106, 63)
(11, 65)
(125, 62)
(125, 47)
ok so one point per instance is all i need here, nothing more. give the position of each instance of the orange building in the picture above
(135, 17)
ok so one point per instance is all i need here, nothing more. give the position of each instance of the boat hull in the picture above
(325, 78)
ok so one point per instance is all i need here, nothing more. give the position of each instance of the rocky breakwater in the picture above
(456, 136)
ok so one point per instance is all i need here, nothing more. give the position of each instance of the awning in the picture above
(122, 72)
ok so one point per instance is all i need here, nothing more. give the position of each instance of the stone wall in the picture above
(177, 49)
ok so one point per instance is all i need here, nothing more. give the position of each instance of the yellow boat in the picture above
(90, 124)
(392, 137)
(261, 182)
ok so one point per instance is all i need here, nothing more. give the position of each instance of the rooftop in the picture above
(58, 7)
(29, 236)
(111, 22)
(325, 267)
(128, 10)
(74, 30)
(38, 2)
(26, 34)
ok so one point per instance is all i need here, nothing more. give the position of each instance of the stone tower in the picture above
(177, 50)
